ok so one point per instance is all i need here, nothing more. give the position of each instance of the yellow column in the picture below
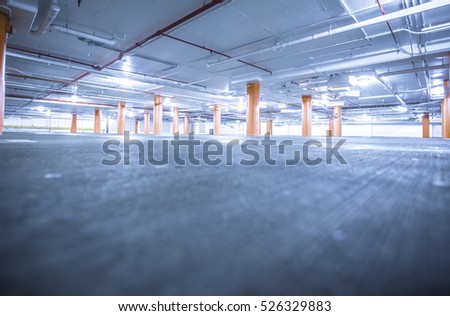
(186, 124)
(136, 126)
(269, 127)
(426, 125)
(121, 118)
(216, 119)
(73, 125)
(337, 121)
(446, 112)
(97, 122)
(157, 115)
(306, 115)
(175, 128)
(253, 116)
(4, 29)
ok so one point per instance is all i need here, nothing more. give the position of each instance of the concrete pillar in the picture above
(306, 115)
(337, 121)
(253, 116)
(136, 126)
(443, 117)
(4, 29)
(186, 124)
(269, 127)
(146, 123)
(97, 121)
(121, 118)
(446, 112)
(426, 125)
(216, 119)
(176, 116)
(73, 125)
(330, 127)
(157, 115)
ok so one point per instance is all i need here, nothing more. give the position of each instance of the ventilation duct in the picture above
(48, 10)
(22, 13)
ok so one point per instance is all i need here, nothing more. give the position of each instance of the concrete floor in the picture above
(379, 225)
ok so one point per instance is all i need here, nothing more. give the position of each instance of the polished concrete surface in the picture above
(378, 225)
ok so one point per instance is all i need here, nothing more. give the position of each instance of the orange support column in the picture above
(186, 124)
(216, 119)
(446, 112)
(97, 122)
(269, 127)
(426, 125)
(73, 125)
(175, 128)
(146, 123)
(136, 126)
(121, 118)
(4, 29)
(253, 116)
(330, 127)
(337, 121)
(157, 115)
(306, 115)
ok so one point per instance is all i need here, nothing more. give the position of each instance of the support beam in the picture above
(97, 121)
(269, 129)
(136, 126)
(146, 123)
(253, 116)
(176, 117)
(446, 112)
(73, 125)
(426, 125)
(306, 115)
(337, 121)
(4, 28)
(157, 115)
(121, 118)
(186, 124)
(216, 119)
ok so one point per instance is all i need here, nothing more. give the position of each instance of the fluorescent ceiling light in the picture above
(362, 80)
(437, 92)
(241, 104)
(402, 109)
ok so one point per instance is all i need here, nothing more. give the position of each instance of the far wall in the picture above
(86, 125)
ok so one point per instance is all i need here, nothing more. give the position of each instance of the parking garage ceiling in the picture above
(383, 59)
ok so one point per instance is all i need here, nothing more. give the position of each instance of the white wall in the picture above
(86, 125)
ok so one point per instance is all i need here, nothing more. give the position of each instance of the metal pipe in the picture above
(380, 19)
(82, 35)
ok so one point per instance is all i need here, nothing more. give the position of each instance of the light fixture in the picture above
(40, 108)
(74, 98)
(240, 107)
(49, 112)
(362, 80)
(167, 101)
(437, 92)
(402, 109)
